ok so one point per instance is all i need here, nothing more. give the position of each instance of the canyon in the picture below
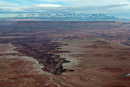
(64, 54)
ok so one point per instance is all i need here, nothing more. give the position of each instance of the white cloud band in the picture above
(47, 5)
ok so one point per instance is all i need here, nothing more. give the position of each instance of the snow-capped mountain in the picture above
(69, 16)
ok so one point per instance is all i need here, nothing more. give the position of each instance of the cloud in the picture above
(21, 5)
(116, 7)
(120, 5)
(90, 2)
(7, 4)
(47, 5)
(97, 2)
(67, 2)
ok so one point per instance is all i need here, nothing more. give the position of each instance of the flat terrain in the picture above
(64, 54)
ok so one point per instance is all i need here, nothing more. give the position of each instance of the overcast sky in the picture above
(59, 3)
(117, 7)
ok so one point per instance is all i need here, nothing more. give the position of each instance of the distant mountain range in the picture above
(70, 17)
(67, 16)
(70, 13)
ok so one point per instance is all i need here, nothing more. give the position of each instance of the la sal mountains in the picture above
(69, 17)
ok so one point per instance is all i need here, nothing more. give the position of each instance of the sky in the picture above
(19, 4)
(116, 7)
